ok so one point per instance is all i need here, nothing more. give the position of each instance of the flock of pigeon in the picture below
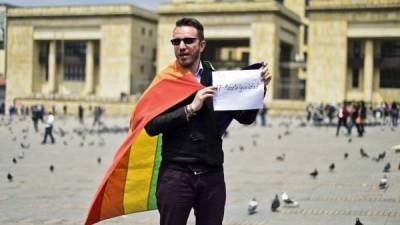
(288, 202)
(80, 136)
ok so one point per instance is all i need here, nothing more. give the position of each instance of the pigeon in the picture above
(9, 177)
(363, 153)
(14, 160)
(25, 146)
(81, 144)
(399, 167)
(254, 143)
(314, 173)
(332, 167)
(21, 155)
(252, 206)
(51, 168)
(396, 148)
(286, 133)
(358, 222)
(241, 148)
(349, 140)
(99, 160)
(281, 157)
(382, 155)
(14, 138)
(346, 155)
(383, 182)
(275, 204)
(65, 143)
(287, 202)
(386, 169)
(279, 137)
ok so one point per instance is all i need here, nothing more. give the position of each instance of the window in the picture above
(150, 32)
(245, 57)
(143, 31)
(74, 61)
(154, 54)
(142, 49)
(390, 78)
(307, 2)
(355, 78)
(305, 35)
(1, 38)
(390, 49)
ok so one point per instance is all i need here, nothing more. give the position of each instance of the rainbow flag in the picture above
(130, 183)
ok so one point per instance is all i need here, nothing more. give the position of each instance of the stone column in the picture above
(368, 69)
(52, 68)
(89, 68)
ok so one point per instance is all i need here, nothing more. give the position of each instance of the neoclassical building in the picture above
(70, 55)
(354, 51)
(319, 51)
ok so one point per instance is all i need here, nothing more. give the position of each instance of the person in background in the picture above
(394, 111)
(49, 128)
(342, 115)
(81, 112)
(360, 120)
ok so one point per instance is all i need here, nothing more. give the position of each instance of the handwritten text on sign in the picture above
(238, 90)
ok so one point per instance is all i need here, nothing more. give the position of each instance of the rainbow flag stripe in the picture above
(130, 182)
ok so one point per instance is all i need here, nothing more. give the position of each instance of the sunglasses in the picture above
(186, 41)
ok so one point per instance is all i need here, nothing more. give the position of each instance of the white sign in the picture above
(238, 90)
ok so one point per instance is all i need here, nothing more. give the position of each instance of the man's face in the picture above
(187, 54)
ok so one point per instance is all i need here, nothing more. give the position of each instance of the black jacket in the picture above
(199, 139)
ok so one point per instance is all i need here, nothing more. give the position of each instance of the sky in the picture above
(147, 4)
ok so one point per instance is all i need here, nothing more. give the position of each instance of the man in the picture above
(49, 128)
(191, 172)
(342, 119)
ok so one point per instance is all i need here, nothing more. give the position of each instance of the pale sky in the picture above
(147, 4)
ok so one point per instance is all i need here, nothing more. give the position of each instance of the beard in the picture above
(187, 60)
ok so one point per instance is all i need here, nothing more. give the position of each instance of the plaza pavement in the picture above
(37, 196)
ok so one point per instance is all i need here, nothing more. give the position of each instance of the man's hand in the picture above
(201, 95)
(265, 75)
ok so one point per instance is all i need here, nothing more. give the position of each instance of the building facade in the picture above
(80, 53)
(319, 51)
(354, 51)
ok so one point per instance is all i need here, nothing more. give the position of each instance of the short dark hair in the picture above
(191, 22)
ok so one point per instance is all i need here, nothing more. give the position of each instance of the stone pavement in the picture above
(37, 196)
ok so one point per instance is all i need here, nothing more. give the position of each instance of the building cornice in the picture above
(359, 5)
(207, 8)
(82, 11)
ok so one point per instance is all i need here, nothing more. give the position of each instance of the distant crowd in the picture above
(354, 114)
(39, 113)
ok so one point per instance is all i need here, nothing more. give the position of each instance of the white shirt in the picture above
(198, 73)
(49, 120)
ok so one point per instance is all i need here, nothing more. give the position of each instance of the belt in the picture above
(193, 168)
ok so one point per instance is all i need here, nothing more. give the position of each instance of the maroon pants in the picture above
(180, 191)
